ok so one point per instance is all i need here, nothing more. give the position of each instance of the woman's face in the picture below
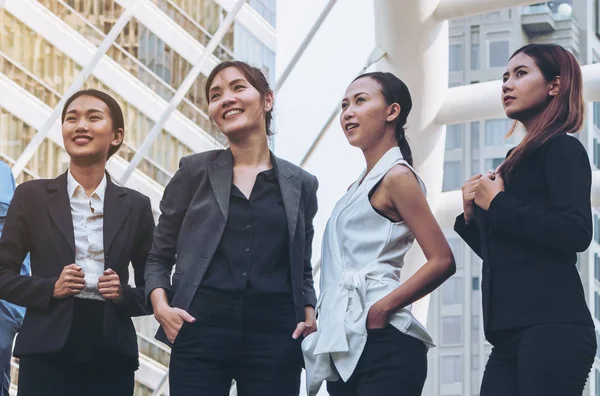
(235, 105)
(525, 91)
(87, 130)
(364, 113)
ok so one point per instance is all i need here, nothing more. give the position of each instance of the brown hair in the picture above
(564, 113)
(255, 77)
(116, 114)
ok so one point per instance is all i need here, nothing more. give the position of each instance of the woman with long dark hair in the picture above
(368, 342)
(527, 221)
(237, 225)
(82, 231)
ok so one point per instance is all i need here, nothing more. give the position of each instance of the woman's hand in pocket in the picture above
(378, 316)
(172, 319)
(308, 326)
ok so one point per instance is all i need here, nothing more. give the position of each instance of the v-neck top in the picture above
(362, 258)
(253, 254)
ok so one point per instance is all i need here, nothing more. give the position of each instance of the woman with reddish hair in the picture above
(527, 221)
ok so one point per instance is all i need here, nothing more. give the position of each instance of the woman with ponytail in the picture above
(527, 221)
(368, 342)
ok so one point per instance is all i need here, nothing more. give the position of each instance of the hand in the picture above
(378, 316)
(488, 186)
(468, 195)
(171, 319)
(109, 286)
(308, 326)
(70, 282)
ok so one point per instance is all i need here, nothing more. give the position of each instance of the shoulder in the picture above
(565, 142)
(400, 174)
(200, 158)
(135, 196)
(4, 168)
(286, 167)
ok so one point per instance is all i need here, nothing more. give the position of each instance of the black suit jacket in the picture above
(39, 222)
(529, 239)
(194, 211)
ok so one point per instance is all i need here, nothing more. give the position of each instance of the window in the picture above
(597, 114)
(498, 53)
(452, 175)
(492, 163)
(474, 135)
(597, 373)
(475, 330)
(495, 132)
(474, 167)
(475, 283)
(452, 291)
(596, 229)
(454, 136)
(596, 267)
(456, 57)
(475, 56)
(451, 369)
(597, 305)
(598, 343)
(452, 330)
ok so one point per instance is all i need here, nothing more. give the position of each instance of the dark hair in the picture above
(395, 91)
(255, 77)
(564, 113)
(116, 114)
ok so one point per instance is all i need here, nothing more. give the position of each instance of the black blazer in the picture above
(529, 239)
(194, 211)
(39, 221)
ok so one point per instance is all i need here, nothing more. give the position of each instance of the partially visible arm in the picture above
(402, 191)
(133, 297)
(567, 226)
(469, 233)
(26, 291)
(310, 297)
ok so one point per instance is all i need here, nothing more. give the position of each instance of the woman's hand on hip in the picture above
(308, 326)
(70, 282)
(171, 319)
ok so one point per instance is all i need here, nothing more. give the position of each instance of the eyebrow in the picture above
(356, 95)
(515, 69)
(88, 111)
(218, 87)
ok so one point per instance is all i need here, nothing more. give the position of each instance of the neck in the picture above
(252, 151)
(373, 154)
(89, 176)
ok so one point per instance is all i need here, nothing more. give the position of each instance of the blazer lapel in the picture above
(220, 174)
(116, 211)
(291, 188)
(59, 207)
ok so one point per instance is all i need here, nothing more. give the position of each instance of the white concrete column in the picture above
(416, 44)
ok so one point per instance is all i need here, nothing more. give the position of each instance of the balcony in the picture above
(538, 19)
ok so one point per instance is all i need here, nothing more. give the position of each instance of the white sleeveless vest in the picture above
(362, 256)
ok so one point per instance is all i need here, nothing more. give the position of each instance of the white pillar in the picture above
(416, 44)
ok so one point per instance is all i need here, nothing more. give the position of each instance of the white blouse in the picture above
(362, 256)
(88, 227)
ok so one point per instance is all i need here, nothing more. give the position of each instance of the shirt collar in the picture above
(72, 185)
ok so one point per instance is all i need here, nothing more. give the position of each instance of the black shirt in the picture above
(253, 255)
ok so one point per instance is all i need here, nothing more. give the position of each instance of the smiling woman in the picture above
(82, 231)
(245, 294)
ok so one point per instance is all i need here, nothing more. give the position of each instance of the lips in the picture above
(508, 99)
(82, 139)
(231, 113)
(350, 126)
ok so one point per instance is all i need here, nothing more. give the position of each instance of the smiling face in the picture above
(235, 105)
(87, 130)
(525, 90)
(365, 113)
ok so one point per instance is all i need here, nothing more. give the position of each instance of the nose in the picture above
(507, 86)
(348, 113)
(81, 126)
(227, 100)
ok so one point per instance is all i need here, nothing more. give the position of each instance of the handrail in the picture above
(28, 73)
(27, 171)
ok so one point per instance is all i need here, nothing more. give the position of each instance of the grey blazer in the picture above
(194, 211)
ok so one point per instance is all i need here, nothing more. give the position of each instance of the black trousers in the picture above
(237, 336)
(392, 363)
(86, 366)
(548, 359)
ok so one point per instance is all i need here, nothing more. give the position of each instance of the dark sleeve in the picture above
(26, 291)
(468, 232)
(173, 206)
(567, 225)
(308, 289)
(134, 299)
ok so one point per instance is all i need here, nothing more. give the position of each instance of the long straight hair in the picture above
(564, 113)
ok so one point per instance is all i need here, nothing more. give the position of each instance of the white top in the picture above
(88, 223)
(363, 254)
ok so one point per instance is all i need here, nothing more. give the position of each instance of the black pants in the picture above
(237, 336)
(392, 363)
(549, 360)
(86, 366)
